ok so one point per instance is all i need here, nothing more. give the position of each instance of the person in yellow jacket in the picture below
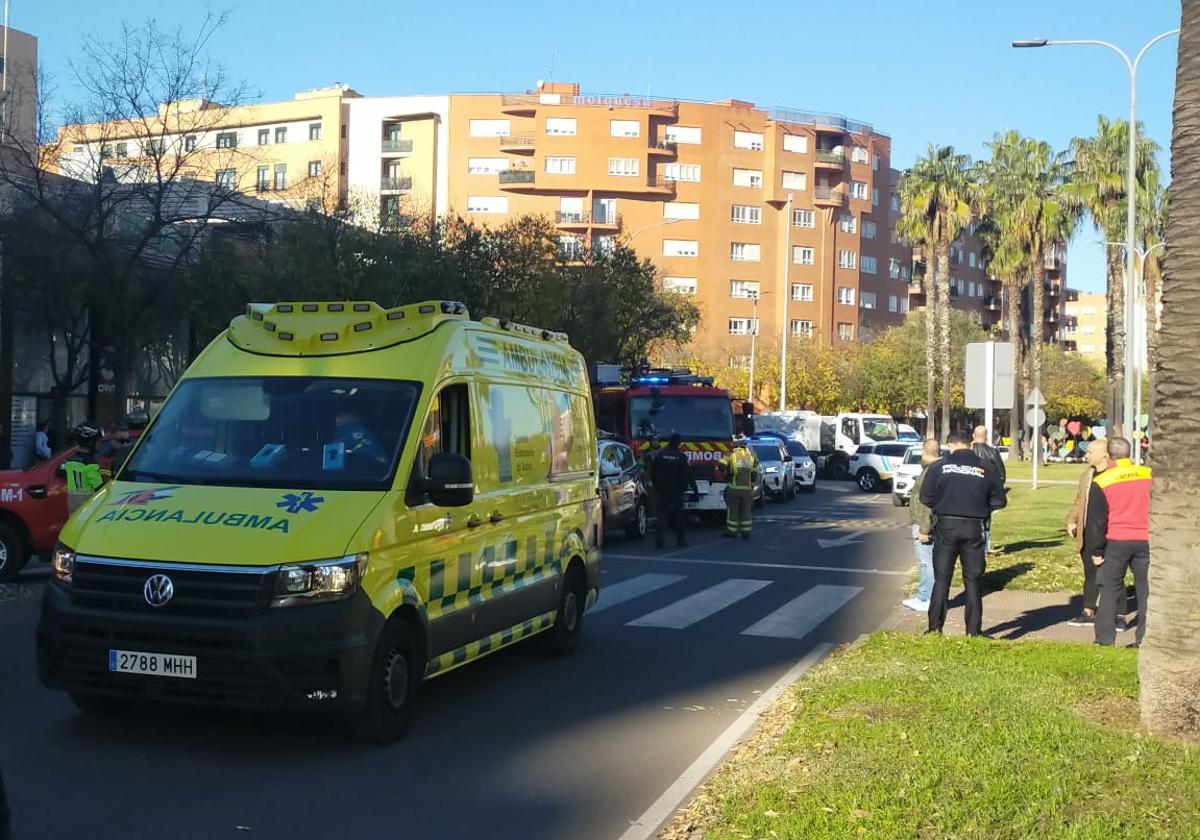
(740, 470)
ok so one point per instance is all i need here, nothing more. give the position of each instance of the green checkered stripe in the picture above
(496, 641)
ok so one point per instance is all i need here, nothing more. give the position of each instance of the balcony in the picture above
(829, 197)
(1071, 322)
(667, 148)
(397, 147)
(519, 104)
(991, 304)
(606, 222)
(393, 184)
(514, 179)
(659, 184)
(830, 158)
(1070, 346)
(572, 220)
(1053, 289)
(517, 143)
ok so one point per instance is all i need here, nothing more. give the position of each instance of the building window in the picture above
(281, 176)
(803, 255)
(745, 252)
(903, 304)
(680, 285)
(867, 300)
(895, 204)
(739, 361)
(795, 143)
(847, 259)
(281, 134)
(562, 126)
(971, 258)
(874, 163)
(314, 131)
(626, 167)
(795, 181)
(262, 181)
(624, 128)
(847, 223)
(859, 154)
(845, 332)
(870, 265)
(744, 214)
(894, 268)
(264, 136)
(682, 134)
(487, 166)
(189, 144)
(747, 178)
(560, 166)
(803, 218)
(681, 172)
(858, 189)
(680, 248)
(314, 169)
(893, 303)
(748, 140)
(802, 292)
(802, 329)
(869, 230)
(487, 204)
(570, 248)
(743, 326)
(227, 179)
(874, 196)
(157, 147)
(743, 288)
(681, 210)
(490, 128)
(227, 140)
(846, 295)
(122, 150)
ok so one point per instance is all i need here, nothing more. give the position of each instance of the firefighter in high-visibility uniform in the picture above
(740, 470)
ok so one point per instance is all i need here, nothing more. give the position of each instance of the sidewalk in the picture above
(1014, 614)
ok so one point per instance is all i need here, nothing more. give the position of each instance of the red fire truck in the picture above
(635, 404)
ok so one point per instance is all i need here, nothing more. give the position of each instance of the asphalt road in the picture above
(520, 745)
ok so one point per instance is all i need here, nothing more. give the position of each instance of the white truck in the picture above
(831, 439)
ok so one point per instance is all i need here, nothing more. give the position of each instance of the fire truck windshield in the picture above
(691, 417)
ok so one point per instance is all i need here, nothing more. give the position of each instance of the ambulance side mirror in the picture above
(450, 482)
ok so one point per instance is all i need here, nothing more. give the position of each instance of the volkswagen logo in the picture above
(157, 590)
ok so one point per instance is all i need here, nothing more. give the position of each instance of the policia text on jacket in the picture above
(337, 502)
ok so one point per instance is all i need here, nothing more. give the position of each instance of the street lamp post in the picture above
(753, 342)
(786, 292)
(629, 237)
(1127, 414)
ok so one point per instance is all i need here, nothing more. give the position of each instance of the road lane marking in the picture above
(748, 565)
(695, 608)
(635, 587)
(800, 616)
(647, 825)
(849, 539)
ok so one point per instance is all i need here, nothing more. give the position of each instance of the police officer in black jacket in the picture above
(671, 476)
(962, 492)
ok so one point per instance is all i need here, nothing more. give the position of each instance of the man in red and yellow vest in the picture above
(740, 470)
(1117, 538)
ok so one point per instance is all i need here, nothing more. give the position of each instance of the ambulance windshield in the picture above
(288, 432)
(691, 417)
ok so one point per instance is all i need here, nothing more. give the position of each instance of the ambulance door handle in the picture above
(473, 521)
(496, 516)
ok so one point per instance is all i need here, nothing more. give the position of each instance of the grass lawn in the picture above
(929, 738)
(1046, 472)
(1032, 549)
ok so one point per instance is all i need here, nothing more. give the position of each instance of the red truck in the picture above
(33, 508)
(634, 404)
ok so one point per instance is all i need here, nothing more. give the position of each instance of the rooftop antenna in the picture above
(554, 57)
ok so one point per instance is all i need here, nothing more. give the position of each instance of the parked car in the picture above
(33, 508)
(622, 490)
(778, 467)
(874, 464)
(907, 434)
(806, 468)
(906, 476)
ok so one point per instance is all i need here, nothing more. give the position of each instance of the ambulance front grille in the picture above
(203, 591)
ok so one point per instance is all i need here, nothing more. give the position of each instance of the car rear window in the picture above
(892, 450)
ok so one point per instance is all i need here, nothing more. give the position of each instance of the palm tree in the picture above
(936, 196)
(913, 226)
(1099, 184)
(1169, 659)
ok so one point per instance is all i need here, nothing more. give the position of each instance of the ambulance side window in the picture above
(447, 429)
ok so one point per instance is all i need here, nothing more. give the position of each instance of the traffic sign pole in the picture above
(989, 388)
(1035, 417)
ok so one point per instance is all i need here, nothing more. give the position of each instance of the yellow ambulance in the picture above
(336, 502)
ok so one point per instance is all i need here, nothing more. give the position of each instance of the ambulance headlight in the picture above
(63, 563)
(305, 583)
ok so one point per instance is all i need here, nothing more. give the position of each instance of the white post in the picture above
(786, 291)
(989, 398)
(1036, 437)
(753, 341)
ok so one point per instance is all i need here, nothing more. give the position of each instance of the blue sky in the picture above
(923, 71)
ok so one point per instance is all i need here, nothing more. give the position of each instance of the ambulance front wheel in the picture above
(564, 636)
(396, 671)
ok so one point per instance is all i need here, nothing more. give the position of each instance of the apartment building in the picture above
(1085, 325)
(19, 72)
(293, 151)
(767, 217)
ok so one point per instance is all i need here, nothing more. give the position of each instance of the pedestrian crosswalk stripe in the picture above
(697, 607)
(800, 616)
(635, 587)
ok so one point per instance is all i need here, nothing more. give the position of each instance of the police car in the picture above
(906, 476)
(874, 464)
